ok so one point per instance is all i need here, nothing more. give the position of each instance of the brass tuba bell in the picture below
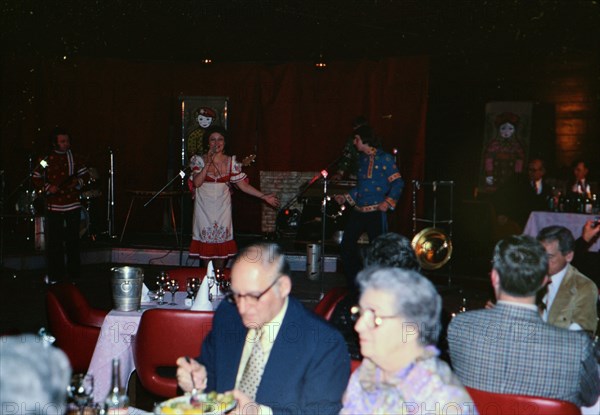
(432, 247)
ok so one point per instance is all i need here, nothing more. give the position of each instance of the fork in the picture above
(194, 399)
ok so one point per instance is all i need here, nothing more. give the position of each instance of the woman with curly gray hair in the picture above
(33, 376)
(398, 323)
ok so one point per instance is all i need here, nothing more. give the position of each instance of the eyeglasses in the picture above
(233, 297)
(369, 316)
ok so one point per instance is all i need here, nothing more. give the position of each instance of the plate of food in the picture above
(206, 403)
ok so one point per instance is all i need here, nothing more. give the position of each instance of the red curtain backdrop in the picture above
(292, 116)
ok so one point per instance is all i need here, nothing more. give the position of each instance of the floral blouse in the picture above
(425, 386)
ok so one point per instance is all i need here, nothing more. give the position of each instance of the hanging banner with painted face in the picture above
(197, 114)
(506, 143)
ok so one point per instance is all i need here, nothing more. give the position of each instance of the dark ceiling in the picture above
(280, 31)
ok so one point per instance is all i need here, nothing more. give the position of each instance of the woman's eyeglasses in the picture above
(233, 297)
(369, 316)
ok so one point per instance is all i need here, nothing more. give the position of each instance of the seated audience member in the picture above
(33, 376)
(523, 195)
(588, 262)
(265, 346)
(580, 183)
(388, 250)
(571, 297)
(509, 348)
(398, 324)
(391, 250)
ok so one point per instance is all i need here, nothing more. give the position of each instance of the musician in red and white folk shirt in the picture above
(59, 178)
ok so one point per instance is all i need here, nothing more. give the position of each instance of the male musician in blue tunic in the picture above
(378, 188)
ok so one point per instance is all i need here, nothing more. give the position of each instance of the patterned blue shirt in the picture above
(378, 180)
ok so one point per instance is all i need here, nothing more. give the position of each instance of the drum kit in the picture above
(30, 207)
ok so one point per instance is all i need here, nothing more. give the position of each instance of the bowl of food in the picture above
(211, 403)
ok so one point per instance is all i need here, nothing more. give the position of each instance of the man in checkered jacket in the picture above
(509, 348)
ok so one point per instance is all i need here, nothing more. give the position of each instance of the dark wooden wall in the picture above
(565, 90)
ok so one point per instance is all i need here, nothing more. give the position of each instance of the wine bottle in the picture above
(117, 401)
(587, 205)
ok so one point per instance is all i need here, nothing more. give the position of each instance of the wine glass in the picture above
(173, 286)
(161, 281)
(80, 390)
(223, 281)
(192, 286)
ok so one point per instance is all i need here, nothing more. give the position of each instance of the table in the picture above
(115, 341)
(572, 221)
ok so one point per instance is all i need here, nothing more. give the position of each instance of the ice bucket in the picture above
(127, 287)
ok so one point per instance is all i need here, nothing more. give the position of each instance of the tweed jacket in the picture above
(510, 349)
(575, 302)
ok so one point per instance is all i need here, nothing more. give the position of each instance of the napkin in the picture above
(145, 297)
(201, 303)
(210, 272)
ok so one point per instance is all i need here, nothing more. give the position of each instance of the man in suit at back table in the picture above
(580, 183)
(276, 356)
(509, 349)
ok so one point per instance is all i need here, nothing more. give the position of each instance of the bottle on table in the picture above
(588, 205)
(117, 401)
(595, 204)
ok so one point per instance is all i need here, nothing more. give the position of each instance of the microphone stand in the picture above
(308, 184)
(181, 174)
(169, 183)
(323, 219)
(110, 208)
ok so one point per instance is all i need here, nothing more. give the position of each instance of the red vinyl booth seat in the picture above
(490, 403)
(327, 304)
(163, 336)
(74, 323)
(354, 364)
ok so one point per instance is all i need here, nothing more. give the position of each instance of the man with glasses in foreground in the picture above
(276, 356)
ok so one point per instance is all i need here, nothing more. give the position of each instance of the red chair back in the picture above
(354, 364)
(490, 403)
(74, 323)
(327, 304)
(163, 336)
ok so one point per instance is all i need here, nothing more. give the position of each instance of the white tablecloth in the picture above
(572, 221)
(115, 341)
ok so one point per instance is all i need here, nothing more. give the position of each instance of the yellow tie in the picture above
(254, 368)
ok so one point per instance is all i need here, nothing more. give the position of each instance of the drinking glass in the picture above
(223, 282)
(161, 281)
(173, 286)
(192, 286)
(80, 390)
